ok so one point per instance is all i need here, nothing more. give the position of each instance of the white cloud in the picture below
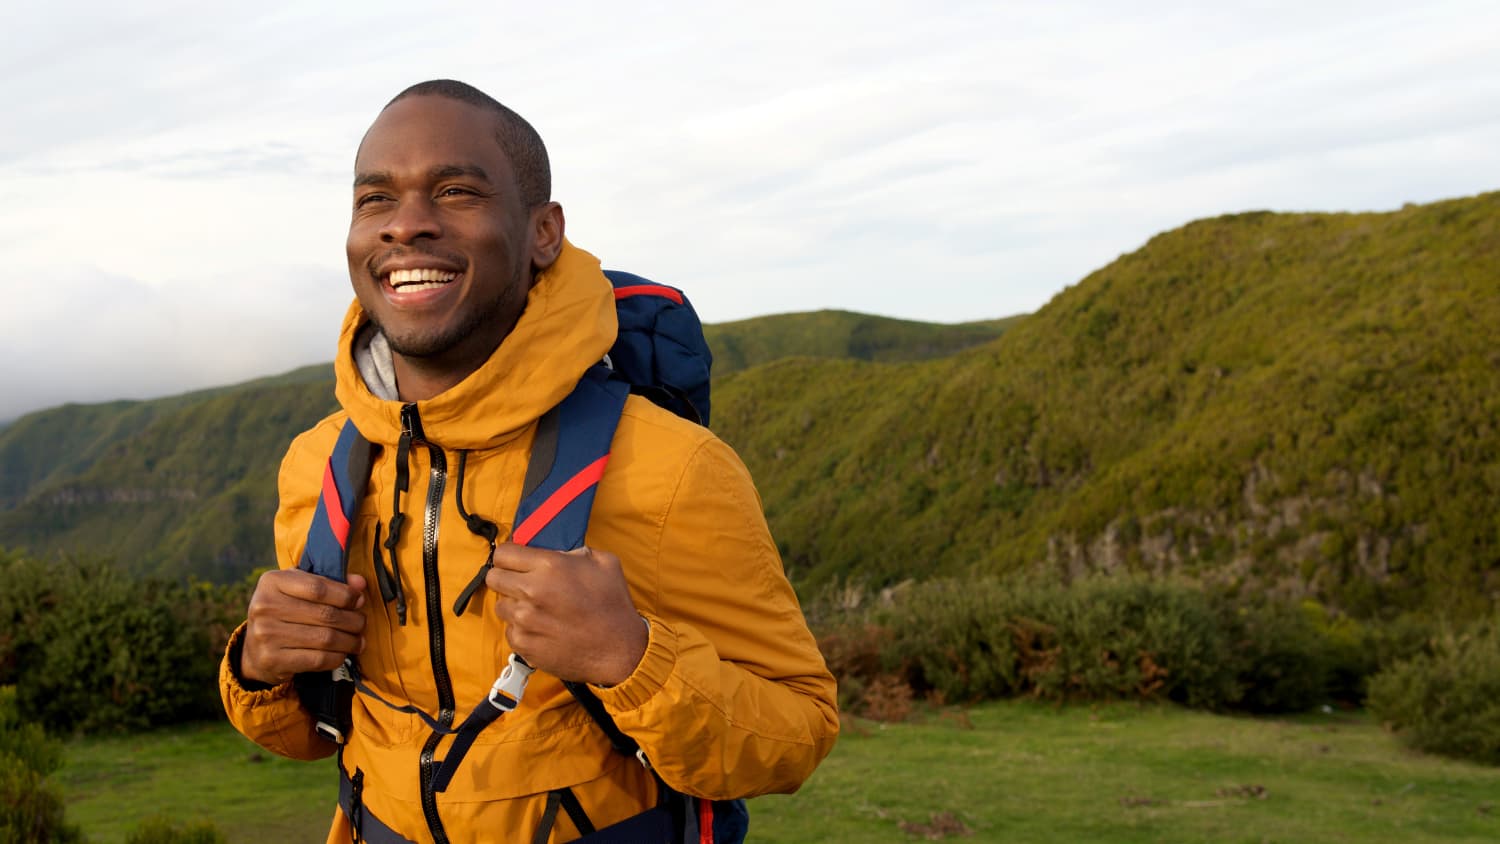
(190, 164)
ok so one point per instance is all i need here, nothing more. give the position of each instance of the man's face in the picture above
(439, 245)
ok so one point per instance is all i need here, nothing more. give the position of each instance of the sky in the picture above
(175, 178)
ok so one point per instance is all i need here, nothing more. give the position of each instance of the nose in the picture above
(413, 218)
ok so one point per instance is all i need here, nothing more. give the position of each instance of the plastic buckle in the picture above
(506, 694)
(330, 732)
(640, 756)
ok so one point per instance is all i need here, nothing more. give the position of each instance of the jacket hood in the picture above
(568, 325)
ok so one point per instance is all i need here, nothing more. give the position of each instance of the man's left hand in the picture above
(569, 614)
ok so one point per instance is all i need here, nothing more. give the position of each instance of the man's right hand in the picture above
(300, 622)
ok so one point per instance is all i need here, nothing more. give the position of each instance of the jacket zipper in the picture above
(411, 423)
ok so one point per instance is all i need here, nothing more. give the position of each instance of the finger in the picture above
(508, 583)
(284, 635)
(288, 610)
(318, 589)
(358, 583)
(512, 557)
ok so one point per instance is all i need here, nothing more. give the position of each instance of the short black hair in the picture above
(518, 140)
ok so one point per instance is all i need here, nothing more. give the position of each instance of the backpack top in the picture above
(660, 349)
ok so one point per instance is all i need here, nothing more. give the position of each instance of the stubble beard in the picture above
(433, 345)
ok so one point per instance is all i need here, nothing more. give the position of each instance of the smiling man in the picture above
(473, 317)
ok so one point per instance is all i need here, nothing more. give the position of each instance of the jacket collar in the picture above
(568, 325)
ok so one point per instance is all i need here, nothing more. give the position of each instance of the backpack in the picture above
(659, 353)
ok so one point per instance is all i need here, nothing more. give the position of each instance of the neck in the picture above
(422, 378)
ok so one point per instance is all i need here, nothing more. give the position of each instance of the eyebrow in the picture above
(441, 171)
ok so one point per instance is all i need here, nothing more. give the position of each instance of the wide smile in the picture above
(414, 280)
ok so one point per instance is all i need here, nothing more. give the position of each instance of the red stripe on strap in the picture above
(648, 290)
(576, 485)
(333, 505)
(705, 821)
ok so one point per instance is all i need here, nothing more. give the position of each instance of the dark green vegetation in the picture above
(89, 648)
(1131, 637)
(1303, 403)
(1014, 771)
(1446, 699)
(31, 806)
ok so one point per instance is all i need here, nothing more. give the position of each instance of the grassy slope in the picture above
(1018, 772)
(1305, 401)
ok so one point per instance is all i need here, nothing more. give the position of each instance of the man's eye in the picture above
(455, 191)
(369, 199)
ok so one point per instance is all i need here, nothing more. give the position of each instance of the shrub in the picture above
(1282, 662)
(89, 648)
(853, 650)
(31, 809)
(1446, 701)
(954, 638)
(1098, 638)
(1101, 637)
(1133, 637)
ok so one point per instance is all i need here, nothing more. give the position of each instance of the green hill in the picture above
(1302, 402)
(1299, 402)
(51, 446)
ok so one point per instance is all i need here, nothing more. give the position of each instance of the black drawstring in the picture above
(390, 580)
(479, 526)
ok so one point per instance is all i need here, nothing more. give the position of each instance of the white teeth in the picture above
(423, 285)
(415, 277)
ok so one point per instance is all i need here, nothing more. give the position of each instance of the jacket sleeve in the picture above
(273, 717)
(732, 698)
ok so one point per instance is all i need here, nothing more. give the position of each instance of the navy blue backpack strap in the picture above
(568, 456)
(555, 513)
(344, 478)
(326, 694)
(660, 347)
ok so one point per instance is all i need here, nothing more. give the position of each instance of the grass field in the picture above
(1012, 771)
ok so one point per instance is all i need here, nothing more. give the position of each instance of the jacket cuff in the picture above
(239, 689)
(649, 676)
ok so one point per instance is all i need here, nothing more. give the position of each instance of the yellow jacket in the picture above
(732, 698)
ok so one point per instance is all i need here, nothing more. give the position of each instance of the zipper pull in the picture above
(411, 424)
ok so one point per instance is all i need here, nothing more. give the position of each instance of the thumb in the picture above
(358, 583)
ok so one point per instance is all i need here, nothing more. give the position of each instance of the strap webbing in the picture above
(554, 512)
(371, 828)
(344, 478)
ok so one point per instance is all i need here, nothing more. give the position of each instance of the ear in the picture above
(547, 225)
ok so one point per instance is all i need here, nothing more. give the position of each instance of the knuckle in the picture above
(327, 639)
(327, 615)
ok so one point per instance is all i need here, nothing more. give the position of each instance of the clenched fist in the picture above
(569, 614)
(299, 622)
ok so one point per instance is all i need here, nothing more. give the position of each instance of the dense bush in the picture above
(1282, 661)
(1448, 700)
(31, 809)
(89, 648)
(1098, 638)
